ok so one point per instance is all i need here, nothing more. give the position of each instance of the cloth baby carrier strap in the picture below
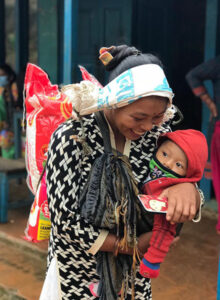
(108, 201)
(103, 126)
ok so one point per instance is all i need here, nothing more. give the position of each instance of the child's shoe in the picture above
(93, 287)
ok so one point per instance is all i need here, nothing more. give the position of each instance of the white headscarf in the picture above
(131, 85)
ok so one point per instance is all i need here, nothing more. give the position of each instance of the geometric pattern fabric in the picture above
(71, 237)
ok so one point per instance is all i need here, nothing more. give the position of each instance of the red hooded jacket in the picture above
(194, 144)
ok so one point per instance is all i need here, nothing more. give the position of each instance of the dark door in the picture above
(174, 30)
(153, 27)
(101, 23)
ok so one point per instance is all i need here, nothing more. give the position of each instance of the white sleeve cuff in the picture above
(98, 242)
(198, 216)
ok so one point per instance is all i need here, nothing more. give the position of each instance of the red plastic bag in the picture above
(87, 76)
(46, 108)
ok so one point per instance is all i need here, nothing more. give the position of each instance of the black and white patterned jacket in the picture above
(70, 262)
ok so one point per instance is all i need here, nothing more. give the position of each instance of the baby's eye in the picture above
(164, 154)
(179, 165)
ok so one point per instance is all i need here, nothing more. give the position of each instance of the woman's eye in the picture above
(157, 119)
(137, 119)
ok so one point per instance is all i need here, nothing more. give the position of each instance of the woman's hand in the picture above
(211, 105)
(143, 243)
(213, 109)
(183, 202)
(111, 240)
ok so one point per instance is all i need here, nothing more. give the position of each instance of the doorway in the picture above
(175, 32)
(101, 23)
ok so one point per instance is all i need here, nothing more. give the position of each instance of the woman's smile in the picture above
(136, 134)
(134, 120)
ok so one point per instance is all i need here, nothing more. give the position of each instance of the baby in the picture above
(181, 157)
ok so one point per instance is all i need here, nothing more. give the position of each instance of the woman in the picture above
(134, 129)
(8, 93)
(8, 102)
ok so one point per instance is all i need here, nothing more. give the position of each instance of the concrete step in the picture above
(6, 294)
(22, 269)
(22, 264)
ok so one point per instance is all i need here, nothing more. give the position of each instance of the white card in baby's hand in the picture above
(153, 203)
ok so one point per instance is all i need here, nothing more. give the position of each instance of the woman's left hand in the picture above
(183, 202)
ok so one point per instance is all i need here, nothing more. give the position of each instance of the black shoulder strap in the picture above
(100, 118)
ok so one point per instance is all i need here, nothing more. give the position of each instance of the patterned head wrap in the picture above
(131, 85)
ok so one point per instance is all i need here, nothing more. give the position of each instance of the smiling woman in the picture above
(92, 194)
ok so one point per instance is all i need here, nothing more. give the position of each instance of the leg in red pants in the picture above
(215, 161)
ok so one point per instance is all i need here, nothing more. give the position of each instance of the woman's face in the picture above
(3, 78)
(133, 120)
(2, 72)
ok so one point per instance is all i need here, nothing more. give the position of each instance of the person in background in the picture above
(20, 88)
(210, 70)
(8, 103)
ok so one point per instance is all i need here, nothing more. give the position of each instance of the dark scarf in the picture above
(109, 201)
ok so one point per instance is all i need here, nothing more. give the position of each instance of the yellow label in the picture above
(43, 230)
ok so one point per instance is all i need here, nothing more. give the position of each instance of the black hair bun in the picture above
(119, 53)
(126, 57)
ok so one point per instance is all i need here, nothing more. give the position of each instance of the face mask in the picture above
(3, 81)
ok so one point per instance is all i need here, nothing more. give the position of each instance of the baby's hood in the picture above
(194, 144)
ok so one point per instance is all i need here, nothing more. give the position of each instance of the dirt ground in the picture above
(191, 267)
(189, 271)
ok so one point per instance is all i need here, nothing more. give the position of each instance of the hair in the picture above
(9, 72)
(126, 57)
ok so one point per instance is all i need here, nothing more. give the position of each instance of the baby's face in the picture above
(172, 157)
